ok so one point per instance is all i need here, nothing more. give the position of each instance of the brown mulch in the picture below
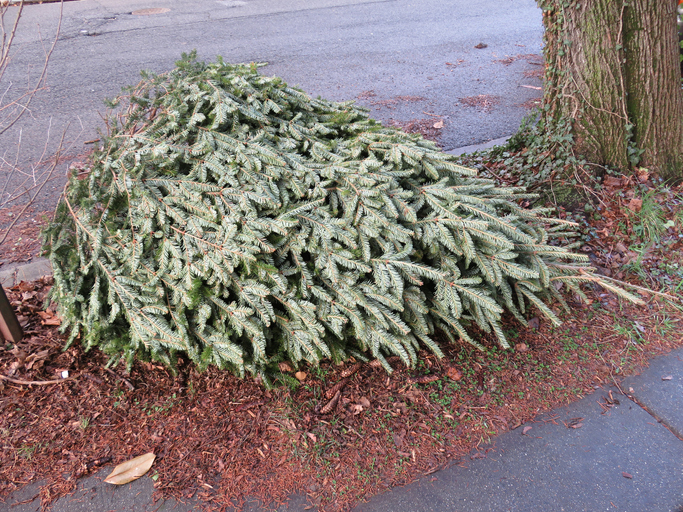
(23, 242)
(210, 429)
(429, 128)
(534, 73)
(531, 103)
(531, 58)
(455, 64)
(391, 102)
(483, 102)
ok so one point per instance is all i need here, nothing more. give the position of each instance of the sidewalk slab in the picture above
(93, 495)
(660, 389)
(621, 461)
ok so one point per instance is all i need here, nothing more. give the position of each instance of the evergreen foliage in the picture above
(233, 218)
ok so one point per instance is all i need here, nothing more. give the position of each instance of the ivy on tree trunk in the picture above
(613, 80)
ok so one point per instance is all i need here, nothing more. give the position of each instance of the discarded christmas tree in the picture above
(233, 218)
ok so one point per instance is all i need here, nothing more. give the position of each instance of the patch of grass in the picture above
(27, 451)
(650, 223)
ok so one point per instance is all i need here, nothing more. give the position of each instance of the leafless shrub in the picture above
(21, 183)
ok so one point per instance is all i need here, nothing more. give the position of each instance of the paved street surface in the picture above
(404, 59)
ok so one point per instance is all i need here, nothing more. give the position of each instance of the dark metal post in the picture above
(9, 325)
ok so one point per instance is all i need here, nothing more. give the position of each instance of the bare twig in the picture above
(128, 383)
(5, 60)
(37, 190)
(34, 382)
(646, 290)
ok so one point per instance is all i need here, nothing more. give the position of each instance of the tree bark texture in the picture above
(613, 77)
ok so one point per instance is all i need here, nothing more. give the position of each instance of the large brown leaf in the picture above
(131, 470)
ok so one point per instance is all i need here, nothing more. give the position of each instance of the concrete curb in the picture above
(25, 272)
(479, 147)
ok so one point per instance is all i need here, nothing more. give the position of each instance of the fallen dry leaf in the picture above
(668, 377)
(285, 367)
(612, 182)
(131, 470)
(438, 125)
(576, 422)
(534, 323)
(24, 286)
(454, 374)
(626, 475)
(521, 347)
(36, 359)
(525, 430)
(355, 409)
(635, 204)
(54, 321)
(643, 174)
(20, 355)
(364, 402)
(301, 376)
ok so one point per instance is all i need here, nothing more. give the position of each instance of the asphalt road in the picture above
(405, 60)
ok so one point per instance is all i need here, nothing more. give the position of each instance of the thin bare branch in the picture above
(4, 62)
(38, 189)
(35, 382)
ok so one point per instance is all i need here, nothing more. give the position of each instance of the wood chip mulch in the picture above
(222, 439)
(23, 241)
(482, 102)
(429, 128)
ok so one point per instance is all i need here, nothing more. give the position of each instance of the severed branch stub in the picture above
(9, 325)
